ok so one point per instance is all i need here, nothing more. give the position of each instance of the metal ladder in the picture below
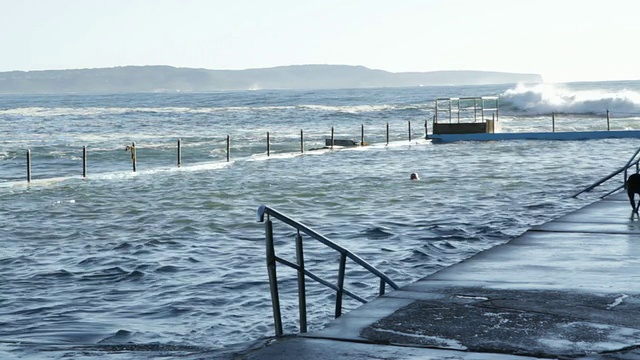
(272, 259)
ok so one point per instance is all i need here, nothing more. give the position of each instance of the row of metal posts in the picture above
(84, 161)
(553, 121)
(362, 142)
(132, 148)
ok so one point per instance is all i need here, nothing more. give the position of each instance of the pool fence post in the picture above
(268, 145)
(361, 134)
(553, 121)
(387, 133)
(134, 161)
(84, 161)
(332, 138)
(28, 165)
(228, 148)
(608, 123)
(301, 141)
(409, 130)
(179, 153)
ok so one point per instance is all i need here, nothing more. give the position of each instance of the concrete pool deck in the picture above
(569, 288)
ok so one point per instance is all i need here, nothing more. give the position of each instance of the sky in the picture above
(562, 40)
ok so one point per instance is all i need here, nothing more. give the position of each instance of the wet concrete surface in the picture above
(566, 289)
(530, 323)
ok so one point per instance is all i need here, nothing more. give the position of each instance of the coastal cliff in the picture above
(172, 79)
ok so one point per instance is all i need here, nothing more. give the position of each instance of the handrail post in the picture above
(28, 165)
(302, 290)
(179, 153)
(332, 138)
(84, 161)
(341, 272)
(409, 130)
(493, 122)
(426, 131)
(301, 141)
(361, 134)
(273, 279)
(608, 126)
(475, 110)
(228, 148)
(265, 214)
(268, 145)
(435, 110)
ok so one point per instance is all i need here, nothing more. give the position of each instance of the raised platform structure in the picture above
(463, 119)
(465, 116)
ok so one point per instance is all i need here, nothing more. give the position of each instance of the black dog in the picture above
(633, 188)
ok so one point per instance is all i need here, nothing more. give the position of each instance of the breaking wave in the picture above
(536, 99)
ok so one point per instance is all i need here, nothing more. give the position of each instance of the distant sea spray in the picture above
(538, 99)
(523, 99)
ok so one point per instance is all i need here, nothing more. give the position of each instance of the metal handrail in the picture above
(457, 106)
(632, 161)
(272, 259)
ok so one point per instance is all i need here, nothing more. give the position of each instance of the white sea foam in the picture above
(617, 301)
(102, 111)
(205, 166)
(264, 156)
(358, 109)
(546, 98)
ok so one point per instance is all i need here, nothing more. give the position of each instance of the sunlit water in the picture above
(170, 261)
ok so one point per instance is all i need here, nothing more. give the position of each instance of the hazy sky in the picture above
(563, 40)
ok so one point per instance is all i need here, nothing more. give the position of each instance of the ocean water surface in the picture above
(169, 261)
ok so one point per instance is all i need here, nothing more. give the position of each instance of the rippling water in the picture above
(170, 261)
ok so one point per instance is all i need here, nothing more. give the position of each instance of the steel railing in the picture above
(633, 161)
(272, 259)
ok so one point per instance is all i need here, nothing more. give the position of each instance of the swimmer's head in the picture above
(414, 176)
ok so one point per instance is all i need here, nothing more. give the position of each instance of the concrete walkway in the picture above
(569, 288)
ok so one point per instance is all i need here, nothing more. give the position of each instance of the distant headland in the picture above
(172, 79)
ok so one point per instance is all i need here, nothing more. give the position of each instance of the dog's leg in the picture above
(632, 198)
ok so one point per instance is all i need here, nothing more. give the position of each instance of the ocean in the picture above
(169, 262)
